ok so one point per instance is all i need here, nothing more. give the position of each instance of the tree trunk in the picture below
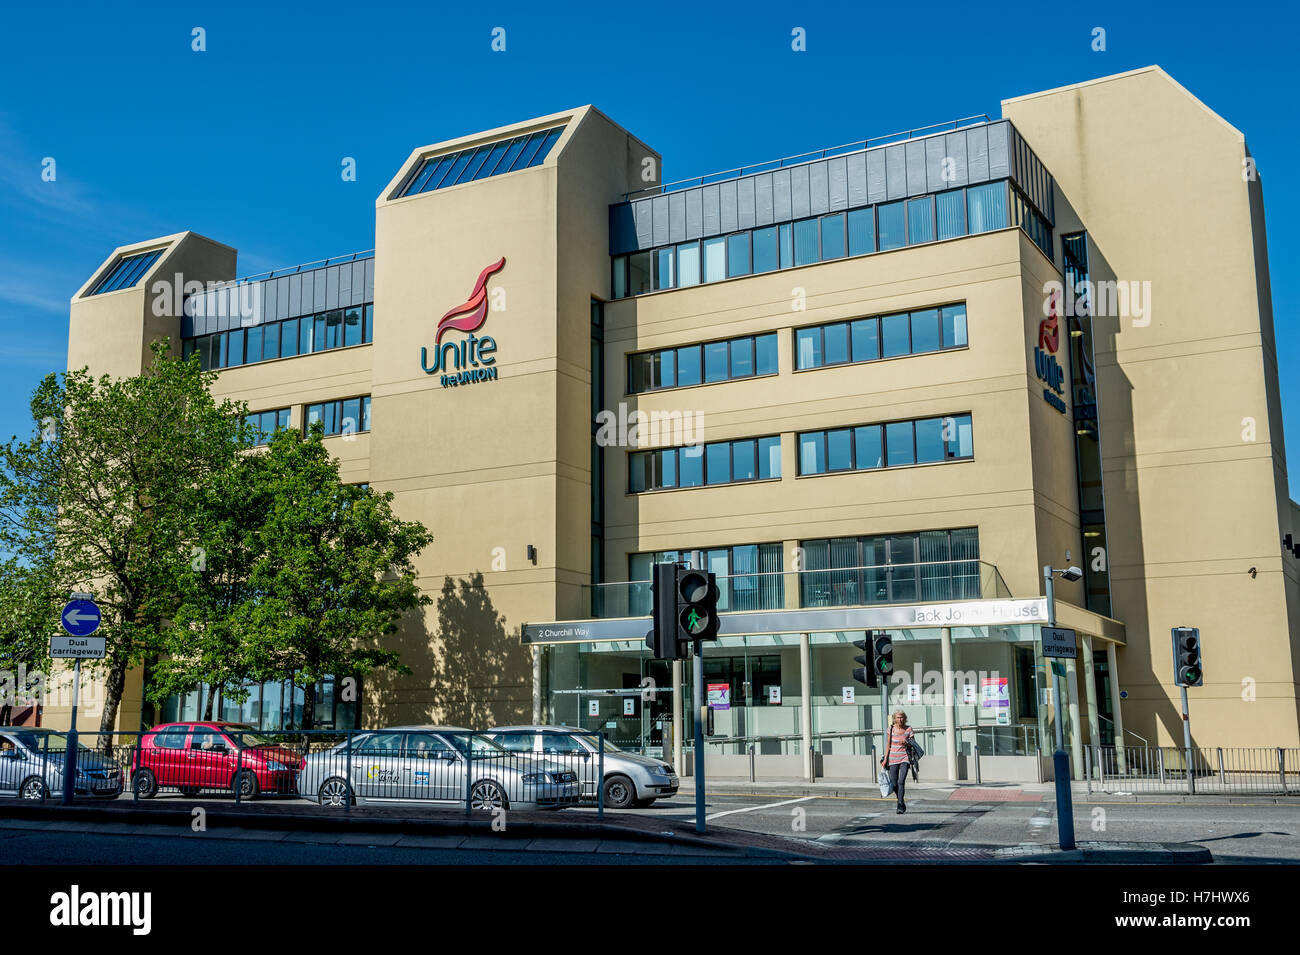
(113, 687)
(308, 706)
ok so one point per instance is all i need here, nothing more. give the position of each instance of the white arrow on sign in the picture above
(74, 617)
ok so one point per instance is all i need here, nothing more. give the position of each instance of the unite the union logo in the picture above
(471, 359)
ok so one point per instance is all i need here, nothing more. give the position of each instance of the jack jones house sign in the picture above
(471, 359)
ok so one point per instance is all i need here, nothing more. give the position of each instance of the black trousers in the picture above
(898, 776)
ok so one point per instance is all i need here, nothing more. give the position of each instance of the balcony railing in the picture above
(922, 582)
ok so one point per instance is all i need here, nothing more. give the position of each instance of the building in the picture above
(881, 386)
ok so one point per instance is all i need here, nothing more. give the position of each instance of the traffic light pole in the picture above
(70, 757)
(1060, 761)
(697, 563)
(1187, 745)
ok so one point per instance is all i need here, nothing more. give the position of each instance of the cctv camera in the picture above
(1072, 574)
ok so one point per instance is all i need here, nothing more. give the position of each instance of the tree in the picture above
(102, 497)
(332, 574)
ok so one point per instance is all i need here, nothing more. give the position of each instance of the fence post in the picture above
(1160, 760)
(239, 769)
(978, 778)
(600, 779)
(751, 762)
(347, 793)
(1087, 767)
(1223, 778)
(469, 770)
(1281, 769)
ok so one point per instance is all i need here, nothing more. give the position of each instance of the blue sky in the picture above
(243, 142)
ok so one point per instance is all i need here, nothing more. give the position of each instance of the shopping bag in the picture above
(886, 784)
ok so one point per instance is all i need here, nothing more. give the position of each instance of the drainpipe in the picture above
(1113, 668)
(805, 711)
(1090, 692)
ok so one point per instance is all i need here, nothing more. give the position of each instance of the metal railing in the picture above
(810, 156)
(1219, 770)
(867, 585)
(456, 769)
(1018, 739)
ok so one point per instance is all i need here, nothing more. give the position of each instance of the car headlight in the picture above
(536, 778)
(275, 766)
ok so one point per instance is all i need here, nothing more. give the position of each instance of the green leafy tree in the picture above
(333, 572)
(102, 496)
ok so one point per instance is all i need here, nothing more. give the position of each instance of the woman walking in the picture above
(895, 760)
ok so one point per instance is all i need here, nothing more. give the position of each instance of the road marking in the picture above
(855, 823)
(770, 805)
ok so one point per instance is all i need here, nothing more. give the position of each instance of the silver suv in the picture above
(630, 779)
(429, 764)
(32, 760)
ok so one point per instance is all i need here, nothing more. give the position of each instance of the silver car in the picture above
(32, 761)
(629, 779)
(434, 764)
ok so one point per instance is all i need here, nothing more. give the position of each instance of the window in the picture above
(895, 444)
(688, 265)
(987, 207)
(925, 330)
(343, 417)
(954, 326)
(865, 339)
(495, 159)
(951, 213)
(862, 232)
(638, 273)
(920, 220)
(835, 343)
(765, 250)
(749, 575)
(893, 226)
(341, 328)
(896, 335)
(808, 347)
(833, 246)
(695, 364)
(171, 738)
(351, 327)
(715, 260)
(663, 265)
(925, 565)
(738, 254)
(126, 273)
(719, 462)
(267, 423)
(805, 242)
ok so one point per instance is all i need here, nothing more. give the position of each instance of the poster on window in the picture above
(629, 706)
(914, 693)
(719, 696)
(593, 707)
(774, 695)
(996, 694)
(847, 694)
(969, 693)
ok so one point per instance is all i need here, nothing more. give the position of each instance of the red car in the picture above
(195, 756)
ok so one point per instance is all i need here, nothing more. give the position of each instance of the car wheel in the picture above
(334, 793)
(189, 790)
(245, 783)
(145, 784)
(619, 792)
(643, 803)
(488, 795)
(34, 789)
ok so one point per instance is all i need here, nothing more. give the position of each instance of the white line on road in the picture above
(770, 805)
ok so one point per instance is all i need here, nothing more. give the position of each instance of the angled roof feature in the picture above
(126, 272)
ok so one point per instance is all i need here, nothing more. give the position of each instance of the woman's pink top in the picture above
(897, 749)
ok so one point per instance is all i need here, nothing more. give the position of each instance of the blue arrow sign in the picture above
(80, 617)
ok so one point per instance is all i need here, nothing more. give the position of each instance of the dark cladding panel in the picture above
(763, 212)
(977, 154)
(677, 217)
(819, 201)
(781, 195)
(896, 171)
(709, 196)
(800, 202)
(370, 280)
(727, 202)
(659, 217)
(999, 150)
(641, 213)
(857, 179)
(837, 182)
(876, 191)
(745, 203)
(622, 229)
(954, 145)
(915, 153)
(694, 214)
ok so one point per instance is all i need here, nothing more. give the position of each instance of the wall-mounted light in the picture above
(532, 553)
(1252, 573)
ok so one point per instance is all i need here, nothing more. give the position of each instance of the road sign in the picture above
(77, 648)
(1059, 642)
(80, 617)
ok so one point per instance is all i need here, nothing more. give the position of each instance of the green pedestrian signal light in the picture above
(697, 604)
(882, 653)
(1187, 656)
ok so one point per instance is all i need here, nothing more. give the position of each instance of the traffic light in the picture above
(882, 654)
(697, 605)
(1187, 656)
(662, 638)
(865, 673)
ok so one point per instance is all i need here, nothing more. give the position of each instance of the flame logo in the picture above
(471, 315)
(1049, 329)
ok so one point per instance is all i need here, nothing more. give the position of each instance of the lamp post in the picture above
(1060, 761)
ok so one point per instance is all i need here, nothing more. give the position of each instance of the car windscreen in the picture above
(483, 747)
(48, 742)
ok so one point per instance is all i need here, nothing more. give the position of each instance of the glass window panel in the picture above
(547, 142)
(715, 361)
(766, 258)
(835, 343)
(315, 413)
(951, 208)
(898, 443)
(223, 349)
(839, 449)
(688, 264)
(638, 273)
(640, 372)
(769, 457)
(718, 462)
(808, 347)
(331, 417)
(235, 352)
(987, 207)
(902, 570)
(350, 418)
(689, 371)
(282, 418)
(715, 260)
(187, 348)
(958, 434)
(636, 467)
(475, 162)
(271, 341)
(925, 330)
(529, 150)
(667, 474)
(744, 460)
(738, 254)
(786, 233)
(862, 232)
(514, 147)
(765, 346)
(352, 326)
(253, 339)
(833, 236)
(437, 170)
(896, 334)
(812, 452)
(494, 157)
(305, 328)
(865, 339)
(954, 326)
(267, 424)
(691, 466)
(289, 338)
(920, 220)
(805, 242)
(368, 324)
(867, 451)
(742, 357)
(318, 333)
(929, 440)
(664, 373)
(453, 172)
(365, 413)
(619, 266)
(893, 226)
(663, 263)
(333, 329)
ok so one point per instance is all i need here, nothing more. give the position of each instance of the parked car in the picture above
(629, 779)
(196, 756)
(429, 764)
(32, 760)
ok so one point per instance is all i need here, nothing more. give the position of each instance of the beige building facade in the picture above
(879, 388)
